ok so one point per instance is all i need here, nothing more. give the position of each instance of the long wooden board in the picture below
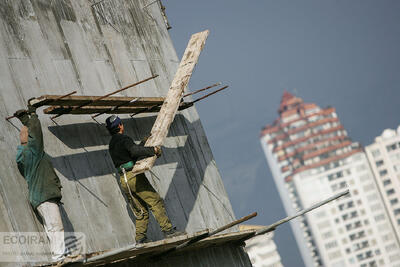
(171, 103)
(51, 100)
(106, 109)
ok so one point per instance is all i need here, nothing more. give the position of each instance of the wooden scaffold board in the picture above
(109, 105)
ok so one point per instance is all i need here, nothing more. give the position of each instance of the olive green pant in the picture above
(144, 197)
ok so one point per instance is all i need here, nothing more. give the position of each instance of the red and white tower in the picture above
(311, 158)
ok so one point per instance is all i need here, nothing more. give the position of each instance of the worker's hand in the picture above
(157, 150)
(23, 135)
(22, 115)
(31, 109)
(144, 140)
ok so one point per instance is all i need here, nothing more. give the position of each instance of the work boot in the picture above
(172, 233)
(142, 241)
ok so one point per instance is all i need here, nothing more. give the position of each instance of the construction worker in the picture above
(139, 192)
(43, 183)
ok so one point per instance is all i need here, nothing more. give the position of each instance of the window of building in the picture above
(323, 225)
(327, 235)
(391, 247)
(387, 237)
(379, 217)
(375, 153)
(391, 147)
(394, 257)
(383, 172)
(379, 163)
(376, 207)
(357, 235)
(390, 192)
(386, 182)
(334, 255)
(330, 245)
(396, 212)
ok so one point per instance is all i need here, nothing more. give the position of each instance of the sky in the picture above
(340, 53)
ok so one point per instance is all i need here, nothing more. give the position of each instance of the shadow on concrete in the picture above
(189, 161)
(91, 134)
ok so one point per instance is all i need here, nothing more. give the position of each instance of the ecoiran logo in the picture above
(36, 246)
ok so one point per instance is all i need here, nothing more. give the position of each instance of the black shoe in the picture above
(142, 241)
(173, 233)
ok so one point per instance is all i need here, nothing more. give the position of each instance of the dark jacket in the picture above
(35, 165)
(122, 150)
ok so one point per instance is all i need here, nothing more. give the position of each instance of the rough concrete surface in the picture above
(57, 46)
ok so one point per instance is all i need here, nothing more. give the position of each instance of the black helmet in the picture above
(112, 122)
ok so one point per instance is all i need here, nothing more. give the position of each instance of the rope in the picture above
(133, 205)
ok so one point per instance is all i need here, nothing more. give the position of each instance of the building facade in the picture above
(384, 158)
(262, 249)
(311, 158)
(55, 47)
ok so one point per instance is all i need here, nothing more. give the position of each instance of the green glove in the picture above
(23, 116)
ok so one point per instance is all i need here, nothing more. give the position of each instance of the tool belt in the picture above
(128, 166)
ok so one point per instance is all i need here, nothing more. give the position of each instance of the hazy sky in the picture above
(343, 53)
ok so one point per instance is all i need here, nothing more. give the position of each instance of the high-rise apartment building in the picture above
(384, 158)
(311, 158)
(262, 249)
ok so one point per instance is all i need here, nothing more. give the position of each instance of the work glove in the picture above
(157, 150)
(23, 116)
(31, 109)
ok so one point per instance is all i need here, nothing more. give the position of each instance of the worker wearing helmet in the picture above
(140, 193)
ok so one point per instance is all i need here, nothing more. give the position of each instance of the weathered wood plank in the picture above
(173, 98)
(97, 109)
(151, 249)
(52, 100)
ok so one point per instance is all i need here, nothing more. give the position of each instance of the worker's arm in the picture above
(137, 151)
(35, 139)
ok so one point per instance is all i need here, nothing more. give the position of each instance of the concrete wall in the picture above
(57, 46)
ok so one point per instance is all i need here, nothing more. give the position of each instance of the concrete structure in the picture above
(311, 157)
(262, 249)
(384, 159)
(55, 47)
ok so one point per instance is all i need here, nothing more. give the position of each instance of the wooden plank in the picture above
(141, 249)
(214, 232)
(52, 100)
(93, 110)
(150, 249)
(100, 109)
(171, 104)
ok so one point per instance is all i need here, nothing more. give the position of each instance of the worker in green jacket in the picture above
(43, 183)
(139, 192)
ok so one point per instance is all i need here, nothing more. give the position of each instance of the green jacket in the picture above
(34, 164)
